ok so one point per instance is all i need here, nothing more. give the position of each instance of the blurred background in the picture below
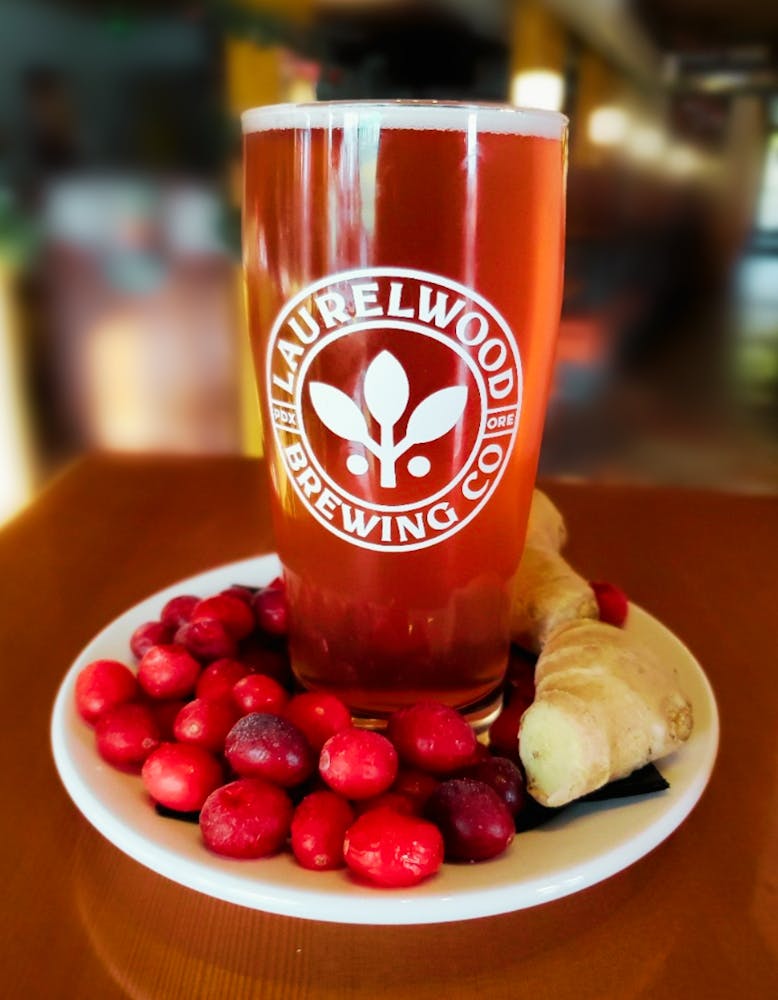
(121, 323)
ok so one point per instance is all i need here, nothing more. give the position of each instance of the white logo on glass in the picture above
(386, 390)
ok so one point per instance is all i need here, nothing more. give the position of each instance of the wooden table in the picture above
(697, 917)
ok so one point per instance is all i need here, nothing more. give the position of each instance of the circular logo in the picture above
(394, 399)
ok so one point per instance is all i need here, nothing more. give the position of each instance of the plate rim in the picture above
(357, 903)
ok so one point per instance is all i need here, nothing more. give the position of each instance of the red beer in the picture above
(404, 270)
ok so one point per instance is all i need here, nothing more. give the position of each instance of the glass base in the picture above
(480, 714)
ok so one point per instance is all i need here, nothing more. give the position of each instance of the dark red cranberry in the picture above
(268, 746)
(612, 603)
(475, 822)
(207, 639)
(504, 777)
(415, 785)
(178, 610)
(150, 634)
(271, 610)
(245, 594)
(504, 731)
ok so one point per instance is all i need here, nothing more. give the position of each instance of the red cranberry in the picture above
(358, 763)
(178, 610)
(262, 658)
(205, 723)
(150, 634)
(318, 715)
(393, 850)
(233, 613)
(207, 639)
(504, 777)
(165, 713)
(318, 829)
(268, 746)
(504, 731)
(245, 594)
(219, 678)
(181, 777)
(248, 818)
(475, 822)
(126, 735)
(612, 603)
(101, 685)
(168, 672)
(270, 610)
(432, 736)
(259, 693)
(389, 800)
(521, 675)
(415, 785)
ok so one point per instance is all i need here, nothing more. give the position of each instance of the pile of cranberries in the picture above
(212, 721)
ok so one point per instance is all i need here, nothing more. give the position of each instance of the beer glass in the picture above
(403, 263)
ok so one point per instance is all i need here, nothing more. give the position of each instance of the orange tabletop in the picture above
(696, 917)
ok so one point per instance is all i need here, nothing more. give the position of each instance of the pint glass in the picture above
(403, 263)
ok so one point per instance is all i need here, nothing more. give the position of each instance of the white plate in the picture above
(584, 845)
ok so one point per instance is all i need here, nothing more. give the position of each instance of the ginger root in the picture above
(604, 706)
(546, 591)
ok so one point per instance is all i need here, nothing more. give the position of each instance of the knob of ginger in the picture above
(604, 706)
(546, 591)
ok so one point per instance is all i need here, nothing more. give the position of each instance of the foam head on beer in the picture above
(404, 268)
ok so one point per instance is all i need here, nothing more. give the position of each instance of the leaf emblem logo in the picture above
(387, 391)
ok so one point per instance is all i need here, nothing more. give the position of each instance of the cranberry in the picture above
(475, 822)
(150, 634)
(270, 609)
(219, 678)
(268, 746)
(521, 675)
(233, 613)
(259, 693)
(318, 829)
(248, 818)
(318, 715)
(260, 657)
(101, 685)
(207, 639)
(205, 723)
(504, 777)
(245, 594)
(415, 785)
(432, 736)
(178, 610)
(504, 731)
(358, 763)
(393, 850)
(390, 800)
(180, 776)
(165, 713)
(126, 735)
(168, 672)
(612, 603)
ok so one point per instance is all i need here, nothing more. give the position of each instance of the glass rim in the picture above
(410, 113)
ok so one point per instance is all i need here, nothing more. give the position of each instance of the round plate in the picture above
(586, 844)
